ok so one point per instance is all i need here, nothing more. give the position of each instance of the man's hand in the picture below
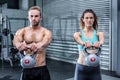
(36, 46)
(21, 46)
(33, 47)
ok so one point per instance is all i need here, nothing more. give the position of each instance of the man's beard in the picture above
(35, 24)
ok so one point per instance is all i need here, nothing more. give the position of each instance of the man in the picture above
(31, 39)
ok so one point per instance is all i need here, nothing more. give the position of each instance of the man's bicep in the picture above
(18, 36)
(48, 36)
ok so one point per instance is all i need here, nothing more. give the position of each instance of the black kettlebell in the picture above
(92, 59)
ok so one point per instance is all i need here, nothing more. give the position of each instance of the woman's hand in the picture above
(88, 44)
(97, 44)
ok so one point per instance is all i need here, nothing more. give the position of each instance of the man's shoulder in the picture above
(21, 30)
(25, 28)
(45, 29)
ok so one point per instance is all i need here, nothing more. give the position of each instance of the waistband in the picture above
(85, 66)
(35, 68)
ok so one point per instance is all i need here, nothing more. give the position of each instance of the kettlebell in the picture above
(28, 60)
(92, 59)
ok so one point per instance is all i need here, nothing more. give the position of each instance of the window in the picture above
(13, 4)
(3, 1)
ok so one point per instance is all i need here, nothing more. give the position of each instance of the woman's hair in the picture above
(95, 24)
(35, 8)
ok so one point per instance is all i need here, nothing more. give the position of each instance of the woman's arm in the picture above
(77, 37)
(101, 38)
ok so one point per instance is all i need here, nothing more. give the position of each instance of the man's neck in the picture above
(35, 27)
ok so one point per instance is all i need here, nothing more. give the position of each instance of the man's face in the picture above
(34, 17)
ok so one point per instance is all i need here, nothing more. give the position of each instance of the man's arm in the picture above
(47, 38)
(18, 39)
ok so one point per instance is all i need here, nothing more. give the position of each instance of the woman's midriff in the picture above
(81, 58)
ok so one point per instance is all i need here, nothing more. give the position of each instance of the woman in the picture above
(87, 37)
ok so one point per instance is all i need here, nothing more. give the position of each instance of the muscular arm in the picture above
(47, 38)
(78, 38)
(18, 38)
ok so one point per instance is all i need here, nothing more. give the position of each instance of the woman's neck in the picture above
(88, 29)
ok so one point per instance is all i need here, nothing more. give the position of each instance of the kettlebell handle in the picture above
(23, 53)
(98, 52)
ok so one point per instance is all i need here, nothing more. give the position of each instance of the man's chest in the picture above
(33, 37)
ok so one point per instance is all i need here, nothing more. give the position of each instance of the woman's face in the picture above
(88, 20)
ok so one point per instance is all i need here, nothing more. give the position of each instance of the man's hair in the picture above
(35, 8)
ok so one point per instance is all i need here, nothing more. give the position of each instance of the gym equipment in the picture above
(92, 56)
(7, 51)
(14, 56)
(0, 43)
(28, 60)
(5, 32)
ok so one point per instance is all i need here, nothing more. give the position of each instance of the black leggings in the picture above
(36, 73)
(83, 72)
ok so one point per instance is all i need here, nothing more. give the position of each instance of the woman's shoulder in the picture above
(100, 33)
(76, 34)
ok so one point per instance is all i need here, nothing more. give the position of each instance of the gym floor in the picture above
(58, 71)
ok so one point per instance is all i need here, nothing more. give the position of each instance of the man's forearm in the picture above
(44, 43)
(17, 42)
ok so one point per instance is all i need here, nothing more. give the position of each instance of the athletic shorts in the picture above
(83, 72)
(36, 73)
